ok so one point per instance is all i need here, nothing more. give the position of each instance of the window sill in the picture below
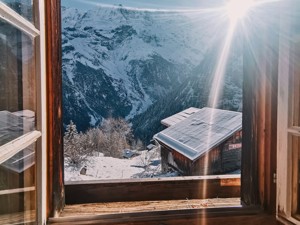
(212, 215)
(154, 189)
(147, 206)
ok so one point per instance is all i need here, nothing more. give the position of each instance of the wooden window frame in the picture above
(285, 121)
(36, 30)
(259, 122)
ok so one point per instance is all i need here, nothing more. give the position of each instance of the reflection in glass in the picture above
(17, 79)
(17, 187)
(296, 87)
(23, 7)
(295, 148)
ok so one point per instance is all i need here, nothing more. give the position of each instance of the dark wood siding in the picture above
(152, 189)
(172, 159)
(210, 163)
(231, 153)
(224, 158)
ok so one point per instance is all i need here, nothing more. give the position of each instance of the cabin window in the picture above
(20, 111)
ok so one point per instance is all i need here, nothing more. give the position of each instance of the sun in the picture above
(237, 9)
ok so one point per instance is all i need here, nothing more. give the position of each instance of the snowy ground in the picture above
(147, 164)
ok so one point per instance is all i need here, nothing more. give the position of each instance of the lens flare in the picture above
(237, 9)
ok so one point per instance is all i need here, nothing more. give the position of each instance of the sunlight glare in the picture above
(237, 9)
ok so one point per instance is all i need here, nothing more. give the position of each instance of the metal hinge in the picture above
(274, 178)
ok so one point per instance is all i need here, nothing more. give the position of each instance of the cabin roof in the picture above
(201, 132)
(178, 117)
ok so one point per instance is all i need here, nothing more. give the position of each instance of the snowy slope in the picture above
(117, 62)
(195, 92)
(100, 167)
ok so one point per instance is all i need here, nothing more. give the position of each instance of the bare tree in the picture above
(111, 137)
(138, 145)
(77, 146)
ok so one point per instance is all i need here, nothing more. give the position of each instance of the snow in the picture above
(186, 36)
(147, 164)
(93, 120)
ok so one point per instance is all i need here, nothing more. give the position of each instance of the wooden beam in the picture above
(55, 167)
(153, 189)
(260, 112)
(222, 216)
(249, 166)
(145, 206)
(270, 148)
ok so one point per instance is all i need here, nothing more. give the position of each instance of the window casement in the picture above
(259, 144)
(288, 163)
(22, 112)
(259, 112)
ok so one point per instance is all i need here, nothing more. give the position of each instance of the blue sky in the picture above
(148, 4)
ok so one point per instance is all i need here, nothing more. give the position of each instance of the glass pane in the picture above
(17, 79)
(17, 187)
(145, 64)
(295, 147)
(23, 7)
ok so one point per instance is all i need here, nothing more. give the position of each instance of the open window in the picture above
(258, 178)
(21, 112)
(288, 118)
(258, 164)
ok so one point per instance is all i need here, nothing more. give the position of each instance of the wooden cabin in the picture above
(266, 192)
(207, 142)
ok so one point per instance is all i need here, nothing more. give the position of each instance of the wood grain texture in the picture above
(154, 189)
(217, 160)
(18, 218)
(176, 217)
(146, 206)
(260, 114)
(54, 112)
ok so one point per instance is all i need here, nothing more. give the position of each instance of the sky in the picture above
(143, 4)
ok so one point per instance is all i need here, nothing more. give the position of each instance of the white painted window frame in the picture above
(38, 136)
(284, 123)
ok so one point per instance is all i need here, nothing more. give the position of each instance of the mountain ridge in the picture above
(120, 63)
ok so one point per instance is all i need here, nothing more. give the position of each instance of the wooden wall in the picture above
(191, 217)
(219, 160)
(172, 188)
(231, 153)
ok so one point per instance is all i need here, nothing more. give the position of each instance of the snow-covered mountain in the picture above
(195, 92)
(118, 62)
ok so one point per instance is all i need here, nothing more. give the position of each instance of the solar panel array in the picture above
(200, 132)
